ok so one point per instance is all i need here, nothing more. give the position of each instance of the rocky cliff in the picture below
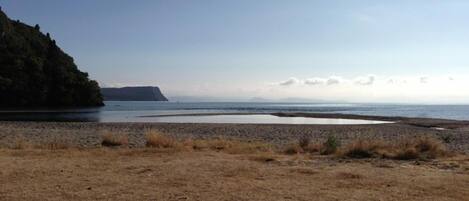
(133, 94)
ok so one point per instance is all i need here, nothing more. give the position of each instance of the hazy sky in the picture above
(366, 51)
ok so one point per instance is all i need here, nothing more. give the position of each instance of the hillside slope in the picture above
(35, 72)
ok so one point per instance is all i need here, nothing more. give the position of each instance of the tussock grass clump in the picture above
(422, 148)
(159, 140)
(364, 149)
(109, 139)
(305, 145)
(304, 142)
(330, 146)
(292, 149)
(407, 149)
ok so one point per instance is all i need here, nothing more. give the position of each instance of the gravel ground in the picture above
(89, 134)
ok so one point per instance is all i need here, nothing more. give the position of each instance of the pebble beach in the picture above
(88, 134)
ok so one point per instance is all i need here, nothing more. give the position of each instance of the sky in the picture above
(354, 51)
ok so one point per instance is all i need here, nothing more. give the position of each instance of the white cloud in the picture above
(424, 80)
(334, 80)
(369, 80)
(315, 81)
(289, 82)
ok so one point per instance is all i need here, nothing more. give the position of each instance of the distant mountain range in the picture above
(144, 93)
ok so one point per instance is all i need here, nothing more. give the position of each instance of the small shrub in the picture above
(330, 146)
(113, 140)
(304, 142)
(446, 138)
(307, 146)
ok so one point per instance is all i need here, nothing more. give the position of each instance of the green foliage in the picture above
(35, 72)
(331, 145)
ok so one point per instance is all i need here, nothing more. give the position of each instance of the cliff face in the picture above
(133, 94)
(35, 72)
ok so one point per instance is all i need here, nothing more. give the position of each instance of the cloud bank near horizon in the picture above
(373, 88)
(368, 88)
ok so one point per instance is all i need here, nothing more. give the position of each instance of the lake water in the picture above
(117, 111)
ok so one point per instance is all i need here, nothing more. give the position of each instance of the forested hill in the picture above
(35, 72)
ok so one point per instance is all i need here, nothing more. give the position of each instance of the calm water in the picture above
(258, 119)
(116, 111)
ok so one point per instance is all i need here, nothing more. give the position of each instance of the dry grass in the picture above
(407, 149)
(423, 148)
(348, 175)
(306, 145)
(231, 146)
(147, 174)
(21, 143)
(114, 139)
(157, 139)
(292, 149)
(55, 144)
(365, 149)
(264, 157)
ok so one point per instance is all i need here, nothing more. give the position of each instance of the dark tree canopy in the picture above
(35, 72)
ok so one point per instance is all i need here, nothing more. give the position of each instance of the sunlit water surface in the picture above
(130, 111)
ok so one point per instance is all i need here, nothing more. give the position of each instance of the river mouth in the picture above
(257, 119)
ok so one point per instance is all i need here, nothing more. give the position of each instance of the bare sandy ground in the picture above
(155, 174)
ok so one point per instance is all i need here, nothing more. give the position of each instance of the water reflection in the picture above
(257, 119)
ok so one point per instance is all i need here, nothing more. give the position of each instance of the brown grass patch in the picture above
(364, 149)
(348, 175)
(263, 157)
(422, 148)
(306, 171)
(292, 149)
(407, 149)
(231, 146)
(55, 144)
(21, 143)
(157, 139)
(113, 139)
